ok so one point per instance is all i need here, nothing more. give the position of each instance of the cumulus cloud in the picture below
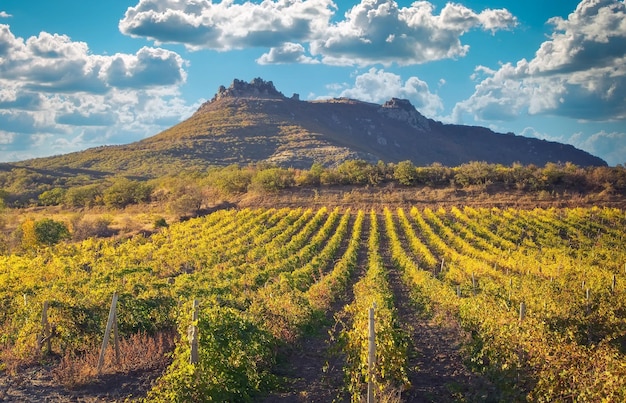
(54, 88)
(4, 14)
(55, 63)
(580, 72)
(227, 25)
(286, 53)
(373, 31)
(379, 86)
(378, 31)
(611, 145)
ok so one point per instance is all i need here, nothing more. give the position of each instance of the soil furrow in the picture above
(315, 366)
(435, 361)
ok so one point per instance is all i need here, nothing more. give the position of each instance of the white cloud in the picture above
(55, 89)
(286, 53)
(379, 86)
(610, 145)
(580, 72)
(373, 31)
(4, 14)
(226, 25)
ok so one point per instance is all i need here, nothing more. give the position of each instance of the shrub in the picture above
(272, 180)
(125, 191)
(84, 196)
(52, 197)
(49, 232)
(160, 223)
(235, 359)
(405, 173)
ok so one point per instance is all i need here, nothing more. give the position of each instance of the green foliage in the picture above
(405, 173)
(272, 180)
(23, 187)
(52, 197)
(230, 180)
(358, 172)
(84, 196)
(435, 175)
(160, 223)
(125, 191)
(49, 232)
(475, 173)
(311, 177)
(235, 356)
(3, 197)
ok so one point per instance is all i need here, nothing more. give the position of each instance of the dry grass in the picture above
(140, 352)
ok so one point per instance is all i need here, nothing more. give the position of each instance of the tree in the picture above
(125, 191)
(49, 232)
(42, 232)
(358, 172)
(83, 196)
(405, 173)
(52, 197)
(230, 180)
(312, 177)
(475, 173)
(272, 180)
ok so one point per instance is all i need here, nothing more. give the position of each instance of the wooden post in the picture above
(614, 283)
(458, 291)
(116, 339)
(371, 361)
(442, 263)
(192, 334)
(474, 283)
(522, 311)
(107, 332)
(45, 333)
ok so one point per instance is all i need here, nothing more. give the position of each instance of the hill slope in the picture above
(253, 122)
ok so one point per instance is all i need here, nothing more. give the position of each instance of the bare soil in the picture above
(37, 384)
(435, 361)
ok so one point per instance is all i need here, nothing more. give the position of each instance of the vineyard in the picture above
(538, 298)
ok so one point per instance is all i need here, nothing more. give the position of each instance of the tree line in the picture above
(21, 187)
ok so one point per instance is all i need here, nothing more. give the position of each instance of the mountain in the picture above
(254, 122)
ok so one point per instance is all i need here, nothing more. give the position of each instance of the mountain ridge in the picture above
(254, 122)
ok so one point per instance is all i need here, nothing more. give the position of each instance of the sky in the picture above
(76, 74)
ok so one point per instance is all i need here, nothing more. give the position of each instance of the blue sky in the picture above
(76, 74)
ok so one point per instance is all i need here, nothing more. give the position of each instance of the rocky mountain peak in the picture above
(403, 110)
(257, 88)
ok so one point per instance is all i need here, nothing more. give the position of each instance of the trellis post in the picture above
(111, 323)
(192, 334)
(371, 361)
(45, 335)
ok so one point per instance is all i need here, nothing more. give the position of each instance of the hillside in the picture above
(253, 122)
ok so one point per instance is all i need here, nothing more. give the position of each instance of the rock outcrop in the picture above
(403, 110)
(257, 88)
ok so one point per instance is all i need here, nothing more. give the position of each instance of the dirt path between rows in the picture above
(315, 365)
(37, 384)
(435, 361)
